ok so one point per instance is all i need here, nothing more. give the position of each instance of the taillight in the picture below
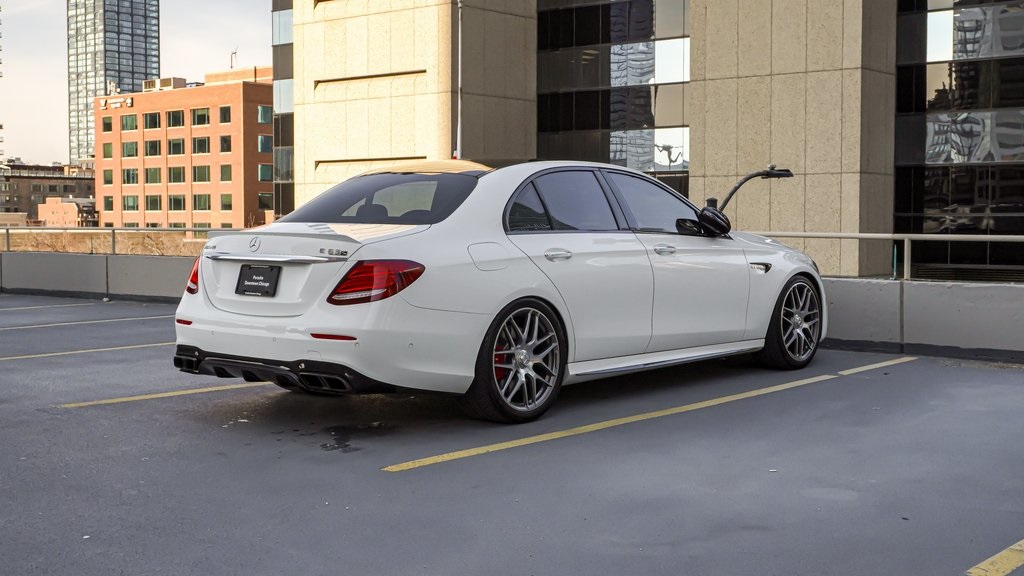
(372, 280)
(193, 280)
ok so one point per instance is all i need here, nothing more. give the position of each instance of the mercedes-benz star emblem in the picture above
(254, 244)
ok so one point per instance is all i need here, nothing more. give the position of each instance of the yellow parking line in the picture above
(163, 395)
(47, 306)
(71, 352)
(1001, 564)
(876, 366)
(413, 464)
(86, 322)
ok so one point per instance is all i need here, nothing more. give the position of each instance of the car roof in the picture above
(434, 167)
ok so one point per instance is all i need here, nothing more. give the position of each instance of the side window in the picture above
(655, 209)
(575, 201)
(527, 213)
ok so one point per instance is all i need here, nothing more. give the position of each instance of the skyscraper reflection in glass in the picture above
(113, 46)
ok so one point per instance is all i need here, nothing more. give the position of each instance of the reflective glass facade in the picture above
(611, 80)
(112, 45)
(960, 130)
(284, 117)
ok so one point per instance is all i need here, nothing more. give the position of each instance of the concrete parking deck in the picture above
(112, 462)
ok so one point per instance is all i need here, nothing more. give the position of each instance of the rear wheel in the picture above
(520, 366)
(795, 327)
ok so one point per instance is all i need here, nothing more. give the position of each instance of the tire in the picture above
(795, 328)
(521, 364)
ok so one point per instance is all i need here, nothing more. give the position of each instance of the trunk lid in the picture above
(284, 269)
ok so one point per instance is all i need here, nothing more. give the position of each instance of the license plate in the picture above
(258, 280)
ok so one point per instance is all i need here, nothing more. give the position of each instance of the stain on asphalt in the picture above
(343, 437)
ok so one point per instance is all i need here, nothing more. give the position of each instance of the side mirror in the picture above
(714, 221)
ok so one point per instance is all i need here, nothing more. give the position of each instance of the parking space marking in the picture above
(86, 322)
(458, 455)
(894, 362)
(124, 399)
(46, 306)
(72, 352)
(1001, 564)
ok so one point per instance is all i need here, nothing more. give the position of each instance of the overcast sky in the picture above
(196, 37)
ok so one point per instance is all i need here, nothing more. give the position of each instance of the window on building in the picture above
(129, 149)
(152, 147)
(108, 178)
(175, 146)
(176, 174)
(151, 120)
(201, 225)
(225, 143)
(225, 225)
(108, 150)
(201, 202)
(130, 203)
(108, 203)
(129, 122)
(108, 224)
(177, 225)
(200, 174)
(176, 202)
(108, 124)
(200, 116)
(225, 172)
(201, 145)
(265, 143)
(225, 202)
(152, 224)
(175, 118)
(153, 175)
(225, 114)
(131, 224)
(153, 203)
(130, 176)
(266, 173)
(265, 114)
(265, 201)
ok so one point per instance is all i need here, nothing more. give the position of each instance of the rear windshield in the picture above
(388, 199)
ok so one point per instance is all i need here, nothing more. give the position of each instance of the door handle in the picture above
(664, 249)
(557, 254)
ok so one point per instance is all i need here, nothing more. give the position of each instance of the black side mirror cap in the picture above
(714, 221)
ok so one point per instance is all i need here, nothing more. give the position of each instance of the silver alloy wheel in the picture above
(526, 359)
(801, 321)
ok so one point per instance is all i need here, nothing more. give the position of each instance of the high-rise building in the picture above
(284, 117)
(1, 78)
(181, 155)
(113, 46)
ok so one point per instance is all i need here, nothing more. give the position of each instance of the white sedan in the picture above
(498, 285)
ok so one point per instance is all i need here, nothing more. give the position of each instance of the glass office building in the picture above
(960, 133)
(113, 46)
(284, 107)
(611, 80)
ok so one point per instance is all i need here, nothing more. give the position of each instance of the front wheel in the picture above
(795, 327)
(520, 366)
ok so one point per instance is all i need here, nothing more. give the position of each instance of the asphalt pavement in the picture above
(112, 462)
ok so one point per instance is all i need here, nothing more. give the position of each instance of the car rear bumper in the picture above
(393, 345)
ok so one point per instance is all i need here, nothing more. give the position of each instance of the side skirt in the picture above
(608, 367)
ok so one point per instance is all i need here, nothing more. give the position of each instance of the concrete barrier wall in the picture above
(945, 318)
(96, 275)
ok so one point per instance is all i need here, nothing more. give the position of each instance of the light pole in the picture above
(458, 117)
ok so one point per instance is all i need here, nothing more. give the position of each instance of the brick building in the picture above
(187, 155)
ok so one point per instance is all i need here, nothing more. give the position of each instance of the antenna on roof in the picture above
(234, 58)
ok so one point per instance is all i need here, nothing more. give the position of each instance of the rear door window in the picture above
(575, 201)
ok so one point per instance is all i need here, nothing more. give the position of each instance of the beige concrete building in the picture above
(808, 85)
(376, 84)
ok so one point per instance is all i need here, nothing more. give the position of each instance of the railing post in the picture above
(7, 242)
(113, 241)
(906, 259)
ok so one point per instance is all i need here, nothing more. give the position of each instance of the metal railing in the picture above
(906, 239)
(189, 241)
(139, 241)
